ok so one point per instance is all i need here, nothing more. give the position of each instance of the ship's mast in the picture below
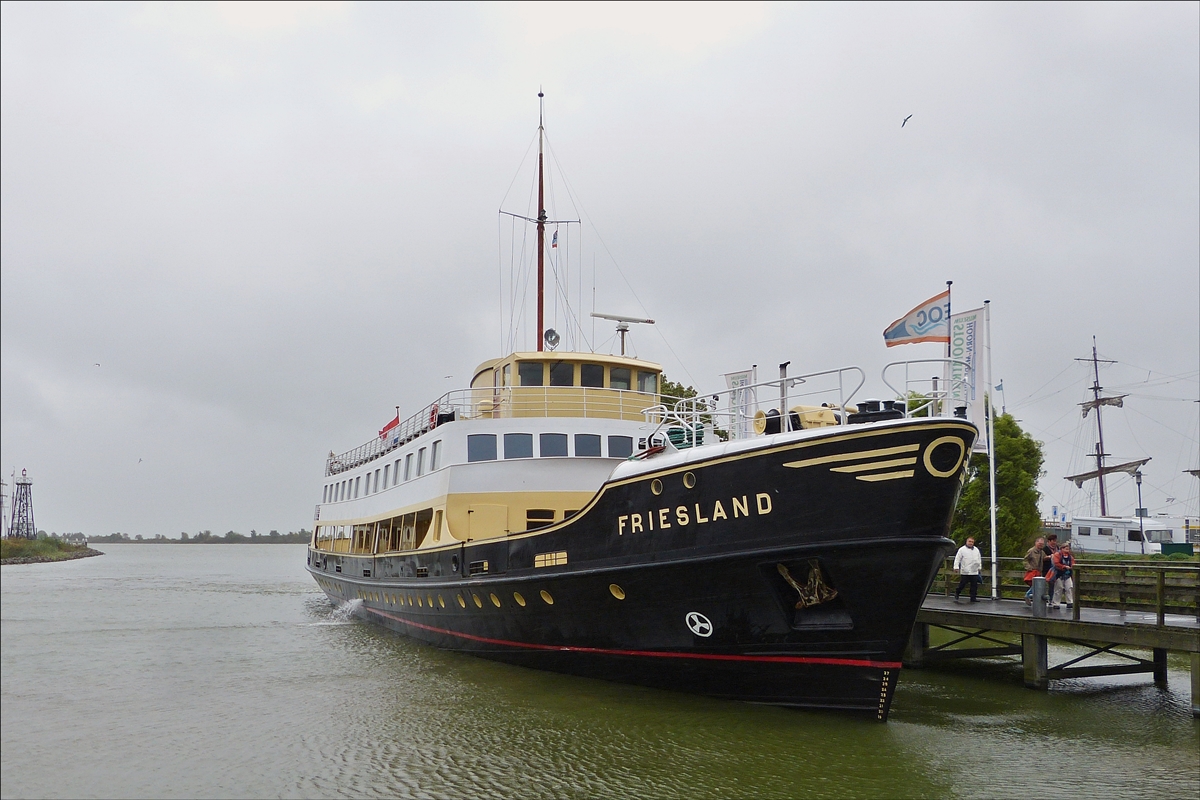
(541, 227)
(1099, 430)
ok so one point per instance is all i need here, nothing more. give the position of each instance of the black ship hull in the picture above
(787, 573)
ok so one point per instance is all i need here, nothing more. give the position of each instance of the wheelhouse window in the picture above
(562, 373)
(507, 379)
(587, 444)
(648, 382)
(552, 444)
(530, 373)
(481, 447)
(591, 375)
(518, 445)
(620, 446)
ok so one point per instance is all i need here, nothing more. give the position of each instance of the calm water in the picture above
(220, 671)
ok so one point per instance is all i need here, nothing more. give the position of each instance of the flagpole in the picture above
(991, 434)
(949, 336)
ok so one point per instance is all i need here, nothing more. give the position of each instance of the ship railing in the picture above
(503, 402)
(931, 396)
(809, 400)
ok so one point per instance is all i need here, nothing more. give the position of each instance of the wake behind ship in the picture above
(561, 513)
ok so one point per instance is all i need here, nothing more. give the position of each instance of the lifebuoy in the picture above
(433, 412)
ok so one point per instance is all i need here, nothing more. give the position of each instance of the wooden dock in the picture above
(1124, 607)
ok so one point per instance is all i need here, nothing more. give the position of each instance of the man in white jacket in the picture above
(967, 562)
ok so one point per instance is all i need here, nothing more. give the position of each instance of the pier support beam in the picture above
(1160, 667)
(1035, 659)
(1196, 684)
(918, 643)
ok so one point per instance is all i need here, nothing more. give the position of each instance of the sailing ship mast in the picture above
(1097, 401)
(541, 226)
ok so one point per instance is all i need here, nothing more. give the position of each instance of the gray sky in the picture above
(271, 223)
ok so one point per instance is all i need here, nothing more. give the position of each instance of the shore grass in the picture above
(29, 550)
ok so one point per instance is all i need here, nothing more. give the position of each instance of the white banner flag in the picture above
(742, 401)
(965, 385)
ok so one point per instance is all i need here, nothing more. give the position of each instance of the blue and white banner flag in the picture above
(928, 322)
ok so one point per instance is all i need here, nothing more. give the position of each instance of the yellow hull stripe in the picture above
(886, 476)
(895, 462)
(883, 451)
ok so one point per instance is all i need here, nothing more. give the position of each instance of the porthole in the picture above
(441, 601)
(461, 601)
(689, 480)
(656, 486)
(520, 600)
(429, 600)
(617, 591)
(547, 597)
(410, 602)
(419, 603)
(478, 602)
(495, 600)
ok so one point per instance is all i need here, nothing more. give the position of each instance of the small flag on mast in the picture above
(383, 432)
(554, 240)
(928, 322)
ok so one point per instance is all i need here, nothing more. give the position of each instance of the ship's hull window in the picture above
(408, 459)
(620, 446)
(553, 444)
(421, 462)
(435, 455)
(587, 444)
(591, 375)
(480, 447)
(538, 518)
(518, 445)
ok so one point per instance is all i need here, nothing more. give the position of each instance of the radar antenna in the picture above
(622, 324)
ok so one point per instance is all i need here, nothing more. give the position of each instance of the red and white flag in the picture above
(384, 431)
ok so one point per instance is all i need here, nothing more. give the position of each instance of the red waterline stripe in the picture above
(843, 662)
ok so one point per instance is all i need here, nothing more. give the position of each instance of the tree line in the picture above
(301, 536)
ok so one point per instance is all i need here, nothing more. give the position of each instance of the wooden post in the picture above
(918, 643)
(1035, 659)
(1196, 685)
(1077, 592)
(1160, 667)
(1121, 589)
(1161, 601)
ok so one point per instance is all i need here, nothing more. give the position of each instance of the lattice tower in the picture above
(22, 526)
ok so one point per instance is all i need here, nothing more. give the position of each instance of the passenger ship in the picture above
(560, 514)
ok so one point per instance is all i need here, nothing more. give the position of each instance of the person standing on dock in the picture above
(1064, 583)
(1048, 551)
(967, 562)
(1033, 566)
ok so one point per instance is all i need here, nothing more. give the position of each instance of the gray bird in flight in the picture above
(906, 119)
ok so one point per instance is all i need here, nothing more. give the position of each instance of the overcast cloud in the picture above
(271, 223)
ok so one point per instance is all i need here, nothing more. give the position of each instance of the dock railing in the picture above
(1142, 586)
